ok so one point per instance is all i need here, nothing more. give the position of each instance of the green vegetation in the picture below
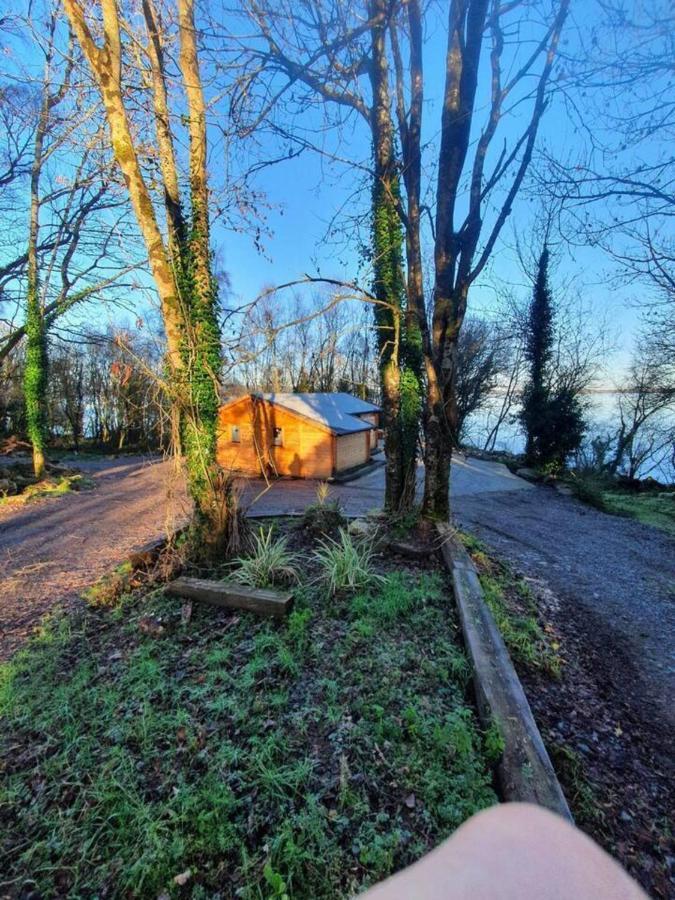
(108, 589)
(270, 562)
(585, 805)
(551, 413)
(49, 487)
(346, 564)
(323, 518)
(35, 375)
(310, 757)
(651, 507)
(515, 611)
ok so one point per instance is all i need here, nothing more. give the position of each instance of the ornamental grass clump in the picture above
(346, 564)
(270, 562)
(323, 518)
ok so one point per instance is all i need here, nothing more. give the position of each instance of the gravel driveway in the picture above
(615, 576)
(51, 549)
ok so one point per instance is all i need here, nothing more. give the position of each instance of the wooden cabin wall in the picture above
(352, 450)
(306, 450)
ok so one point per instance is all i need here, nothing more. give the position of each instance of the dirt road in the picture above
(52, 549)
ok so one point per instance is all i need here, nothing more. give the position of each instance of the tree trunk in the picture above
(204, 364)
(387, 265)
(182, 273)
(35, 372)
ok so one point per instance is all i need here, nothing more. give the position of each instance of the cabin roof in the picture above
(339, 411)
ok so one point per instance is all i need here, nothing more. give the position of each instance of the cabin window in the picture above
(234, 434)
(278, 439)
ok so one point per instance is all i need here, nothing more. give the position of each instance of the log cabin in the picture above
(308, 435)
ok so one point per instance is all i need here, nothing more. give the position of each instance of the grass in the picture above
(585, 804)
(515, 611)
(307, 758)
(49, 487)
(651, 507)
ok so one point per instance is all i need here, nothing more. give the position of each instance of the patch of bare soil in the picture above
(613, 763)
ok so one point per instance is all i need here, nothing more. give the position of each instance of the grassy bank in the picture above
(654, 507)
(144, 747)
(515, 611)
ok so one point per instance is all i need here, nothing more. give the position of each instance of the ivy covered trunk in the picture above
(35, 372)
(441, 409)
(399, 339)
(181, 267)
(35, 377)
(440, 428)
(199, 294)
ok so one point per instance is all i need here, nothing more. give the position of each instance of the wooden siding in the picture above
(306, 450)
(374, 419)
(352, 450)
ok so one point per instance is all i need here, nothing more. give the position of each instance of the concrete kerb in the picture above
(525, 771)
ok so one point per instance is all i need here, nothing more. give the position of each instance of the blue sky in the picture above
(306, 193)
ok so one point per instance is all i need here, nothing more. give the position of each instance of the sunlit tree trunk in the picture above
(200, 293)
(181, 270)
(387, 247)
(35, 373)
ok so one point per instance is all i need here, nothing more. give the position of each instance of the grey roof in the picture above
(338, 411)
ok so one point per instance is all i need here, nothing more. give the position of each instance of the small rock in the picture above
(527, 474)
(183, 878)
(410, 801)
(360, 528)
(7, 486)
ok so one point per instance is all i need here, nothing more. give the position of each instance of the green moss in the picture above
(49, 487)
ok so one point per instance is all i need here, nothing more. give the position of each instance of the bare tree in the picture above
(70, 220)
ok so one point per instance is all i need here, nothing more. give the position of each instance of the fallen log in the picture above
(231, 595)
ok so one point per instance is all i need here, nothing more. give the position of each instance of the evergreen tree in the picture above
(551, 415)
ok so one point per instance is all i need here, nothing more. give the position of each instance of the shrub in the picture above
(346, 564)
(323, 518)
(270, 562)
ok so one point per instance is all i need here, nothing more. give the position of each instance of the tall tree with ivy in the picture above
(396, 332)
(340, 53)
(181, 263)
(35, 324)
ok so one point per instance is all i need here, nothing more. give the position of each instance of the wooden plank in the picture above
(232, 595)
(526, 773)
